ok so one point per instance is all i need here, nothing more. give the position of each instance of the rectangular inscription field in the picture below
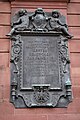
(40, 61)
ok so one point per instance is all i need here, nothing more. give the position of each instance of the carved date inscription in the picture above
(40, 61)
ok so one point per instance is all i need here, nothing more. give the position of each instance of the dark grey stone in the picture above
(40, 72)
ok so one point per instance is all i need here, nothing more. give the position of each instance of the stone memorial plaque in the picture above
(40, 73)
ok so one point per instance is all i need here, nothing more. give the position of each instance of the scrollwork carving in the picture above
(15, 52)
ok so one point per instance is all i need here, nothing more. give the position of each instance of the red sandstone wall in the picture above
(7, 110)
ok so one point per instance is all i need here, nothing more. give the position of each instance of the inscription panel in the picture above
(40, 61)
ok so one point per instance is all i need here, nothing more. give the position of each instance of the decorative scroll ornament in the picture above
(40, 73)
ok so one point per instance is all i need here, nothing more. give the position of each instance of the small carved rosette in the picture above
(40, 64)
